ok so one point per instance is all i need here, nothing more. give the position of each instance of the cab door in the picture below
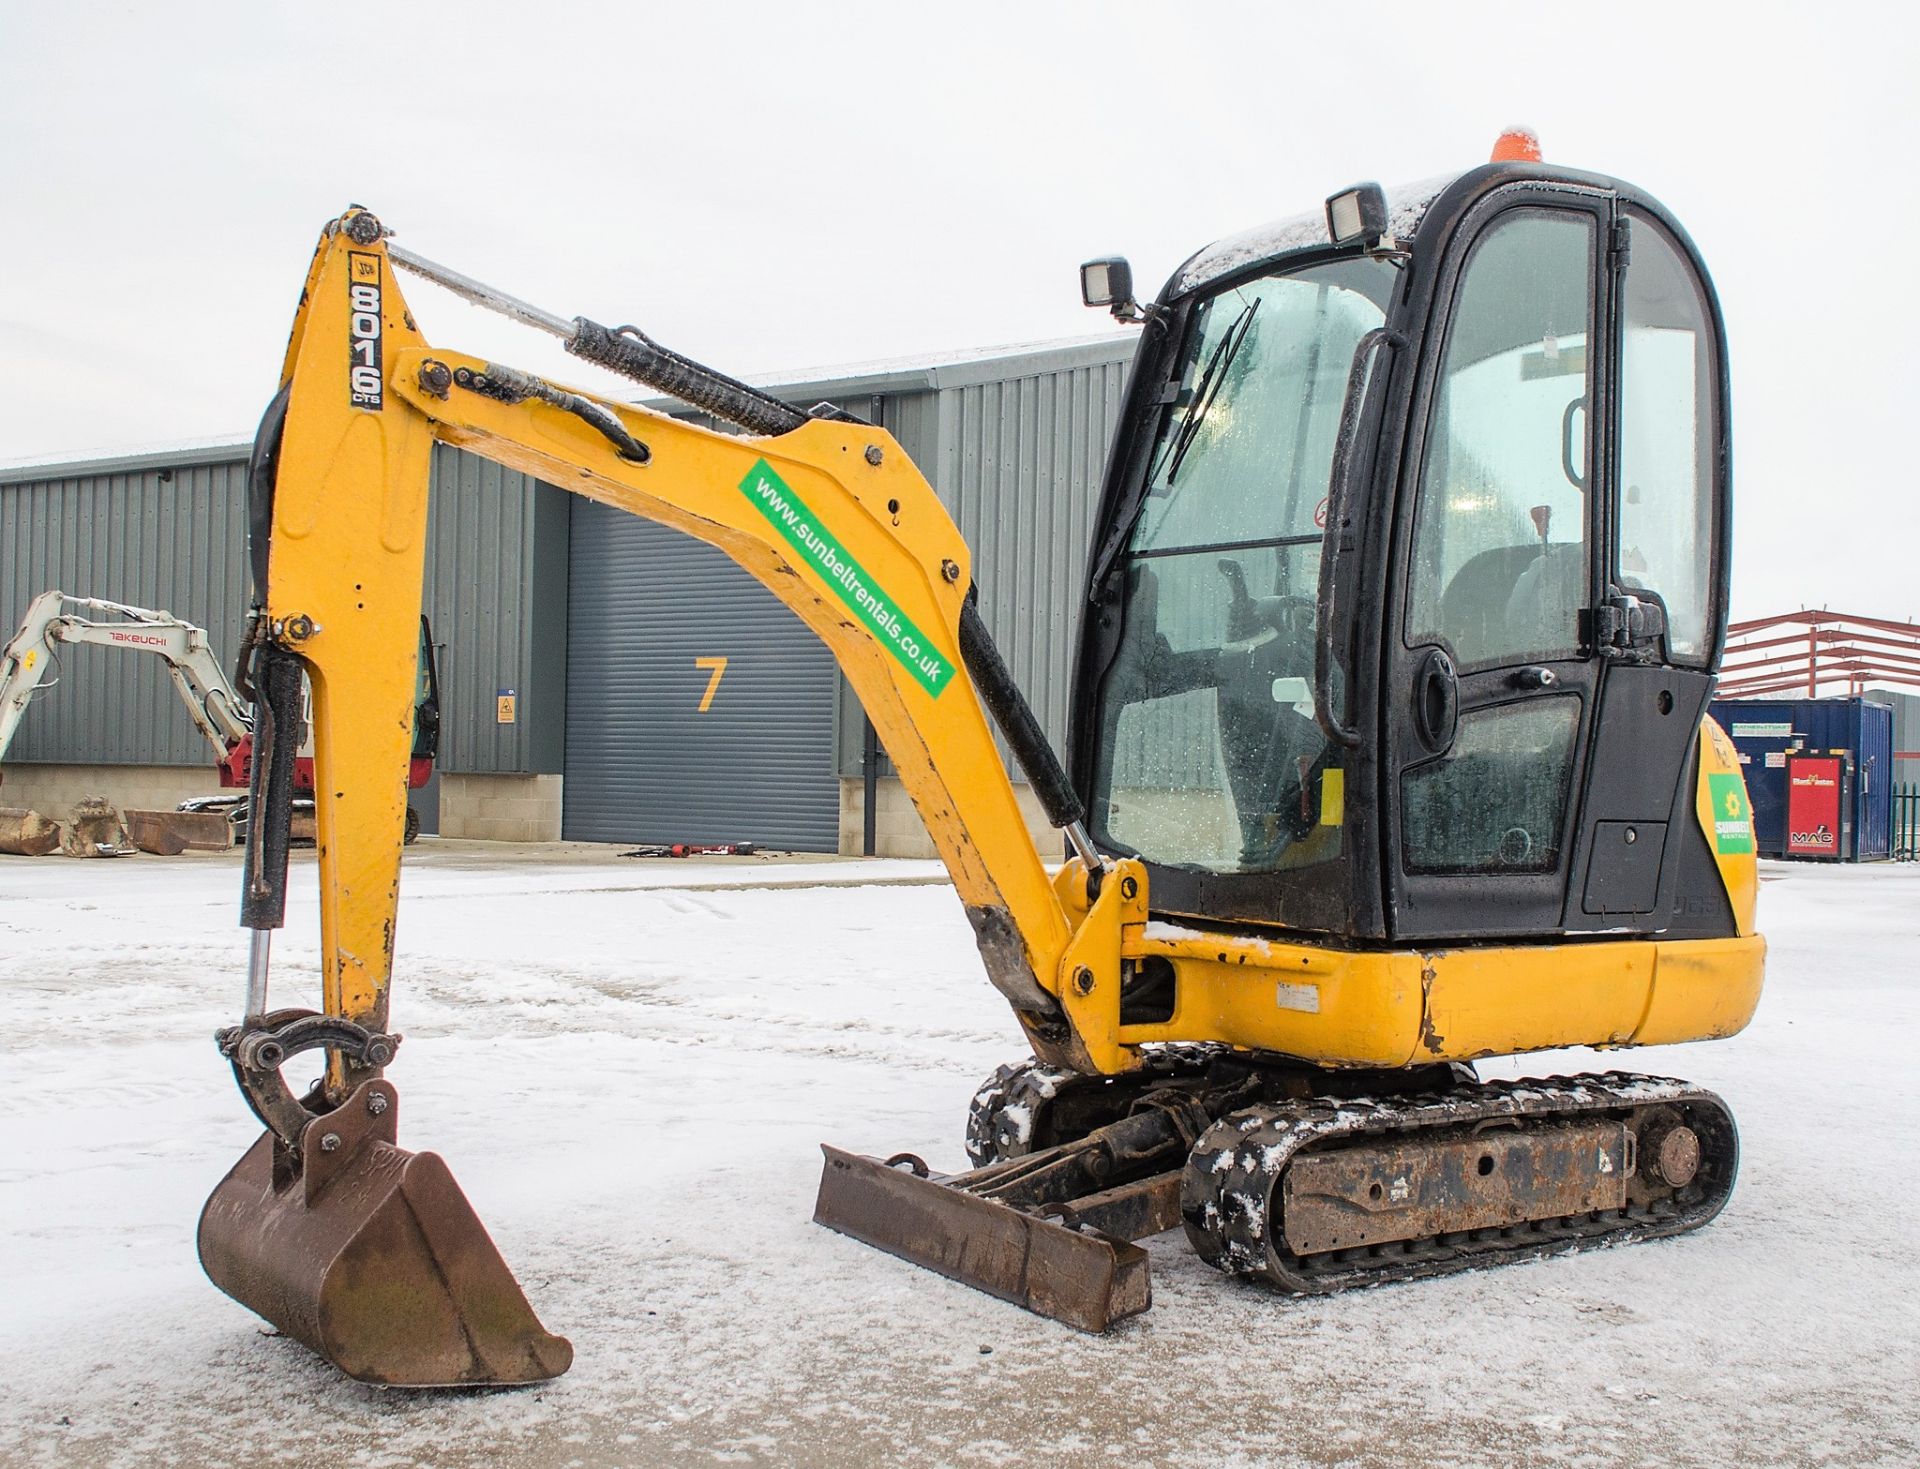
(1491, 680)
(1641, 860)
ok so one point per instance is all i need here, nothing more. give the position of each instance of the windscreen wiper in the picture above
(1208, 387)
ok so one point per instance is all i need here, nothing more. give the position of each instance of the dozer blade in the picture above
(169, 833)
(1076, 1274)
(371, 1256)
(27, 833)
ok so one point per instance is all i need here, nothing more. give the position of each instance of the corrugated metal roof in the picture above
(174, 454)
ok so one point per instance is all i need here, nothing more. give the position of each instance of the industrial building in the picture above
(602, 678)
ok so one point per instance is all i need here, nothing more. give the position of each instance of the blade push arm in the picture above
(830, 515)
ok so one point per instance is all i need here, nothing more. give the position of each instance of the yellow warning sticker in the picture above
(1333, 796)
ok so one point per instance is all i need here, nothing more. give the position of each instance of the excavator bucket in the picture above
(371, 1256)
(169, 833)
(27, 833)
(95, 830)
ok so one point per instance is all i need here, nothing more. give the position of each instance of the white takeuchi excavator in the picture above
(218, 710)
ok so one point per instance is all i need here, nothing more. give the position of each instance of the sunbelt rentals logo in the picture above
(1732, 819)
(896, 632)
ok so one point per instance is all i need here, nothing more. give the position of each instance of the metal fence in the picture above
(1906, 823)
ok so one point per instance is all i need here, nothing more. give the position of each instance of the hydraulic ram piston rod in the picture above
(625, 350)
(480, 294)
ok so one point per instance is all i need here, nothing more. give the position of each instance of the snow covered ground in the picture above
(628, 1067)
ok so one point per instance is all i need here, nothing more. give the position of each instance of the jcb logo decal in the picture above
(364, 386)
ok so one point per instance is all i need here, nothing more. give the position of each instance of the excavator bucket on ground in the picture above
(371, 1256)
(169, 833)
(27, 833)
(95, 830)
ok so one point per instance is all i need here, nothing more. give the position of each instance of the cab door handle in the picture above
(1576, 476)
(1436, 701)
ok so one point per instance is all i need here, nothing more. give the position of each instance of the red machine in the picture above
(1816, 805)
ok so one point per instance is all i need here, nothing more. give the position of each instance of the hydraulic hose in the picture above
(1012, 713)
(626, 350)
(263, 465)
(631, 353)
(277, 726)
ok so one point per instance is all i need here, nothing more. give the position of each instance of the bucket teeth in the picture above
(371, 1256)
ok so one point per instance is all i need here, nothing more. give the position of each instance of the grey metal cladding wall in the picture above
(1019, 466)
(644, 763)
(170, 537)
(174, 537)
(479, 596)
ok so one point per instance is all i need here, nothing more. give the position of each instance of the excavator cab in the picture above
(1409, 577)
(1405, 600)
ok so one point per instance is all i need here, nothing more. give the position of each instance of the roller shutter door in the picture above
(650, 612)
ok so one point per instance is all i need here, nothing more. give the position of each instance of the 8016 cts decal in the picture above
(364, 385)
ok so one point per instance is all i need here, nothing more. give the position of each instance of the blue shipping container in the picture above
(1765, 730)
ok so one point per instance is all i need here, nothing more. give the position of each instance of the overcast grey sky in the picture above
(772, 186)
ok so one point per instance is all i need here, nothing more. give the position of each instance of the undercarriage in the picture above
(1308, 1181)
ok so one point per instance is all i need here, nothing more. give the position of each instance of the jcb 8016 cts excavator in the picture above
(1406, 596)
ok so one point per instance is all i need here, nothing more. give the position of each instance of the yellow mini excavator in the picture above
(1406, 595)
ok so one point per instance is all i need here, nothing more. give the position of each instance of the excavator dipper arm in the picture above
(54, 619)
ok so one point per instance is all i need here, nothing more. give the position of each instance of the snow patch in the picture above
(636, 1120)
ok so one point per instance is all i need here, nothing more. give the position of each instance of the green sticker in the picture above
(895, 631)
(1732, 821)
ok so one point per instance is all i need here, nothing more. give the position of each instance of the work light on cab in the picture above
(1357, 216)
(1109, 283)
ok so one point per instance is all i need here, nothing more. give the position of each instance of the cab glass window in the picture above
(1500, 559)
(1498, 802)
(1668, 439)
(1210, 756)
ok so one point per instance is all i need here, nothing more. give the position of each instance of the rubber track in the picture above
(1006, 1112)
(1237, 1166)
